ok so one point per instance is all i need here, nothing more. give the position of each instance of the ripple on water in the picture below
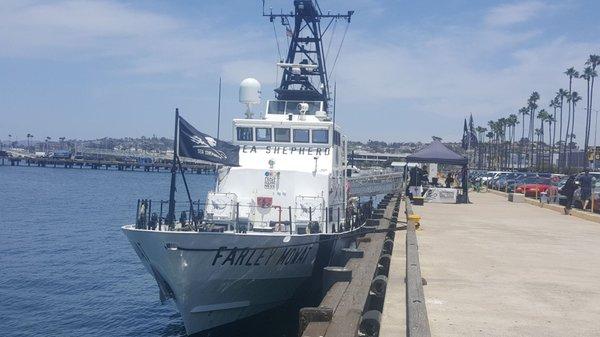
(66, 269)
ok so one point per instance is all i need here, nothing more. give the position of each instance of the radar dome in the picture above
(250, 91)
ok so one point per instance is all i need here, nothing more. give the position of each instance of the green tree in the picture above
(571, 73)
(593, 61)
(588, 75)
(573, 99)
(524, 111)
(532, 106)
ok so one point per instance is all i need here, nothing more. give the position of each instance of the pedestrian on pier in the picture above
(568, 190)
(585, 181)
(449, 180)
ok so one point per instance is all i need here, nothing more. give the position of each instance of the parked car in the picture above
(503, 182)
(533, 187)
(519, 180)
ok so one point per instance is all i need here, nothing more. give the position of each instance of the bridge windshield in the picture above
(291, 107)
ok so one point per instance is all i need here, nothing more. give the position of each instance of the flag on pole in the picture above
(465, 137)
(472, 134)
(197, 145)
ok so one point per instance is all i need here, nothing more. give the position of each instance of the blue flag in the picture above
(197, 145)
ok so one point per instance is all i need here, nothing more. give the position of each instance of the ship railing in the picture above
(375, 184)
(152, 215)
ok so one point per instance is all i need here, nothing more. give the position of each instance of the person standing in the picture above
(585, 181)
(449, 180)
(568, 190)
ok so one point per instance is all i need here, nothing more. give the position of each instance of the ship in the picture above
(280, 209)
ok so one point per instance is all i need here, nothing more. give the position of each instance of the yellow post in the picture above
(416, 219)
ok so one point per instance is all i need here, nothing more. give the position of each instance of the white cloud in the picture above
(518, 12)
(141, 41)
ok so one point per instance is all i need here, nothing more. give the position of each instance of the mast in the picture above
(304, 75)
(218, 134)
(170, 219)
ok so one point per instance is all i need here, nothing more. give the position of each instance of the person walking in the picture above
(585, 181)
(568, 190)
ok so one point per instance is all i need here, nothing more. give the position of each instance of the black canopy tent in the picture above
(438, 153)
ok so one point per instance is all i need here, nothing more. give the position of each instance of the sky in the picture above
(406, 71)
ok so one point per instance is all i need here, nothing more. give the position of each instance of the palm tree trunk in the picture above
(572, 130)
(553, 142)
(568, 121)
(560, 132)
(591, 105)
(531, 133)
(521, 142)
(588, 115)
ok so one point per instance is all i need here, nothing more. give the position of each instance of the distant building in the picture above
(576, 159)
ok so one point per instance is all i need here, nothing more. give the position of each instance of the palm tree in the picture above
(523, 112)
(573, 99)
(551, 121)
(532, 106)
(490, 136)
(493, 127)
(502, 126)
(512, 122)
(480, 132)
(571, 73)
(561, 95)
(543, 117)
(593, 61)
(554, 104)
(588, 75)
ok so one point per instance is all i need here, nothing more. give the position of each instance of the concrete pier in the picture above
(495, 268)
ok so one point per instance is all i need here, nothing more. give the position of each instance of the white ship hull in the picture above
(219, 278)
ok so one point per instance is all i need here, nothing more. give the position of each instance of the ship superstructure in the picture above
(277, 214)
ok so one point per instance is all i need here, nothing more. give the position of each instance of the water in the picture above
(66, 269)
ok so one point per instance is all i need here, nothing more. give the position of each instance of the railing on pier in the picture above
(417, 322)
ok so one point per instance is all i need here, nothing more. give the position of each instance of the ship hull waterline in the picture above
(216, 279)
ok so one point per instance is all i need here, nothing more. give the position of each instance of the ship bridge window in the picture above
(292, 107)
(282, 135)
(320, 136)
(276, 107)
(244, 134)
(301, 136)
(263, 134)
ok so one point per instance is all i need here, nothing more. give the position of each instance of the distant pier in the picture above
(106, 165)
